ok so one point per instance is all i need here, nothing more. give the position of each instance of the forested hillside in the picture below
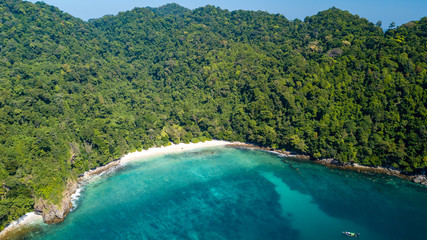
(75, 95)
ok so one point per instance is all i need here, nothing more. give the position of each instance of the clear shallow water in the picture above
(225, 193)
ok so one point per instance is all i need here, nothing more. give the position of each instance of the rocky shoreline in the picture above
(99, 170)
(416, 178)
(55, 213)
(52, 213)
(333, 163)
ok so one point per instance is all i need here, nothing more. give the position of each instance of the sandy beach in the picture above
(27, 219)
(174, 148)
(155, 151)
(32, 218)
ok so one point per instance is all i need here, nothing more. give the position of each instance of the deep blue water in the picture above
(226, 193)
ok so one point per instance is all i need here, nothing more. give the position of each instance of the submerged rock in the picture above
(54, 213)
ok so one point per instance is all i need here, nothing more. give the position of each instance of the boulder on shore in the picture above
(420, 179)
(329, 161)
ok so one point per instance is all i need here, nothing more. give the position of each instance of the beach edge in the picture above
(32, 218)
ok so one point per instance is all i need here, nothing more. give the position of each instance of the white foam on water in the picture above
(75, 197)
(27, 219)
(31, 218)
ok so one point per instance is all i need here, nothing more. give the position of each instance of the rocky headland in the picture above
(53, 213)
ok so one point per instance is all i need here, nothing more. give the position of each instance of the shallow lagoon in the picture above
(227, 193)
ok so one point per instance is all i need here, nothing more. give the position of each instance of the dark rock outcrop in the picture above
(54, 213)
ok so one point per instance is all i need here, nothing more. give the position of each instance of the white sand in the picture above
(31, 218)
(27, 219)
(174, 148)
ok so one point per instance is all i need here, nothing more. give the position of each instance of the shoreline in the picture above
(26, 220)
(32, 218)
(151, 152)
(419, 179)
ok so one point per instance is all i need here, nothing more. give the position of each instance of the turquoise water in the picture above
(226, 193)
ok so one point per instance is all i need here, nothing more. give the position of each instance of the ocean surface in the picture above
(227, 193)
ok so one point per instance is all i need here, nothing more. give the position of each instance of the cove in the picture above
(227, 193)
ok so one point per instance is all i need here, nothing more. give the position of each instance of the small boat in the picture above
(351, 234)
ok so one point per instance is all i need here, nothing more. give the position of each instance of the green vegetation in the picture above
(75, 95)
